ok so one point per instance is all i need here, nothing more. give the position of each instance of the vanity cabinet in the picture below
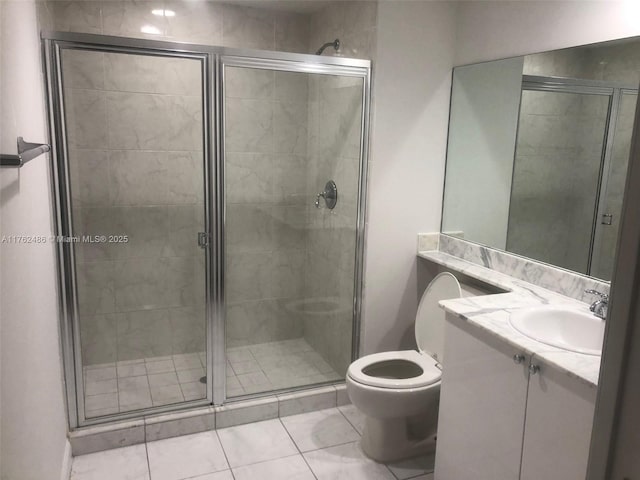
(499, 421)
(557, 430)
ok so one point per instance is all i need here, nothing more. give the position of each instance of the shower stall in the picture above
(210, 219)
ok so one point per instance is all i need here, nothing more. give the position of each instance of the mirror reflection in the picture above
(538, 151)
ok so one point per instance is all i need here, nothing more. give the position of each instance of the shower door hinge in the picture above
(203, 239)
(607, 219)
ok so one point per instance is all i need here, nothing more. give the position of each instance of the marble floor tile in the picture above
(412, 467)
(134, 399)
(245, 367)
(321, 429)
(249, 380)
(276, 365)
(101, 387)
(161, 366)
(268, 450)
(355, 416)
(128, 463)
(345, 461)
(188, 456)
(166, 395)
(98, 374)
(193, 390)
(133, 383)
(190, 375)
(239, 354)
(256, 442)
(287, 468)
(100, 402)
(132, 370)
(187, 361)
(224, 475)
(163, 379)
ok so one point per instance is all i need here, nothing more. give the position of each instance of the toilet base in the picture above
(388, 440)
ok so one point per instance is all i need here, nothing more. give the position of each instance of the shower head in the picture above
(335, 44)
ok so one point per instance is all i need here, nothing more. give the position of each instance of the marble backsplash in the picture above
(557, 280)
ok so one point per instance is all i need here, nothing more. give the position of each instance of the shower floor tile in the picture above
(128, 385)
(143, 383)
(275, 365)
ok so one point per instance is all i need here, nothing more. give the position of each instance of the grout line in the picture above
(295, 444)
(146, 449)
(223, 450)
(349, 421)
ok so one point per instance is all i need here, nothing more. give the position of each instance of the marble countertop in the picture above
(491, 313)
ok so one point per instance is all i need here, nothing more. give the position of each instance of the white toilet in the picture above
(399, 391)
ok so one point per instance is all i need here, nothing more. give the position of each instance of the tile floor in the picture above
(135, 384)
(317, 445)
(276, 365)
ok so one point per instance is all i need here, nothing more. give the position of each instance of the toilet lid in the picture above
(430, 317)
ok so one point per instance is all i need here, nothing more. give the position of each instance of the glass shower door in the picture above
(290, 255)
(136, 193)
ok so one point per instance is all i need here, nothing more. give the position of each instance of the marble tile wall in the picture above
(335, 110)
(206, 22)
(136, 168)
(353, 22)
(335, 114)
(266, 170)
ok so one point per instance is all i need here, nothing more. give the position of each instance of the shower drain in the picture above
(203, 380)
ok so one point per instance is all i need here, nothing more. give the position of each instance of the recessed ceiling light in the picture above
(150, 29)
(163, 13)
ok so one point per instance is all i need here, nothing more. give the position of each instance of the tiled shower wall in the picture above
(266, 169)
(204, 22)
(135, 137)
(335, 114)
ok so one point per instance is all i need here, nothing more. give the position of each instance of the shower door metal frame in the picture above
(212, 85)
(54, 44)
(579, 86)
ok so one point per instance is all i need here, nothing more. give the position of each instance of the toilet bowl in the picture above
(398, 392)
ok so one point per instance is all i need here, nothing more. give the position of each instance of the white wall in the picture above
(488, 30)
(482, 140)
(33, 423)
(412, 80)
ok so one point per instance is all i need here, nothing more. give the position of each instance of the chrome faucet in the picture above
(600, 306)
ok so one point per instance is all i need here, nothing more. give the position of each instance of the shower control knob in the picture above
(518, 359)
(533, 369)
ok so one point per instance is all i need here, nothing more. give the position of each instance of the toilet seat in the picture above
(430, 373)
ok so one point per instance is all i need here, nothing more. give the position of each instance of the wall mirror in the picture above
(538, 150)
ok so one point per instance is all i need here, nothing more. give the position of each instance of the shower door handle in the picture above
(607, 219)
(203, 239)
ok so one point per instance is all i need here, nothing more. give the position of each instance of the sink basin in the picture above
(573, 329)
